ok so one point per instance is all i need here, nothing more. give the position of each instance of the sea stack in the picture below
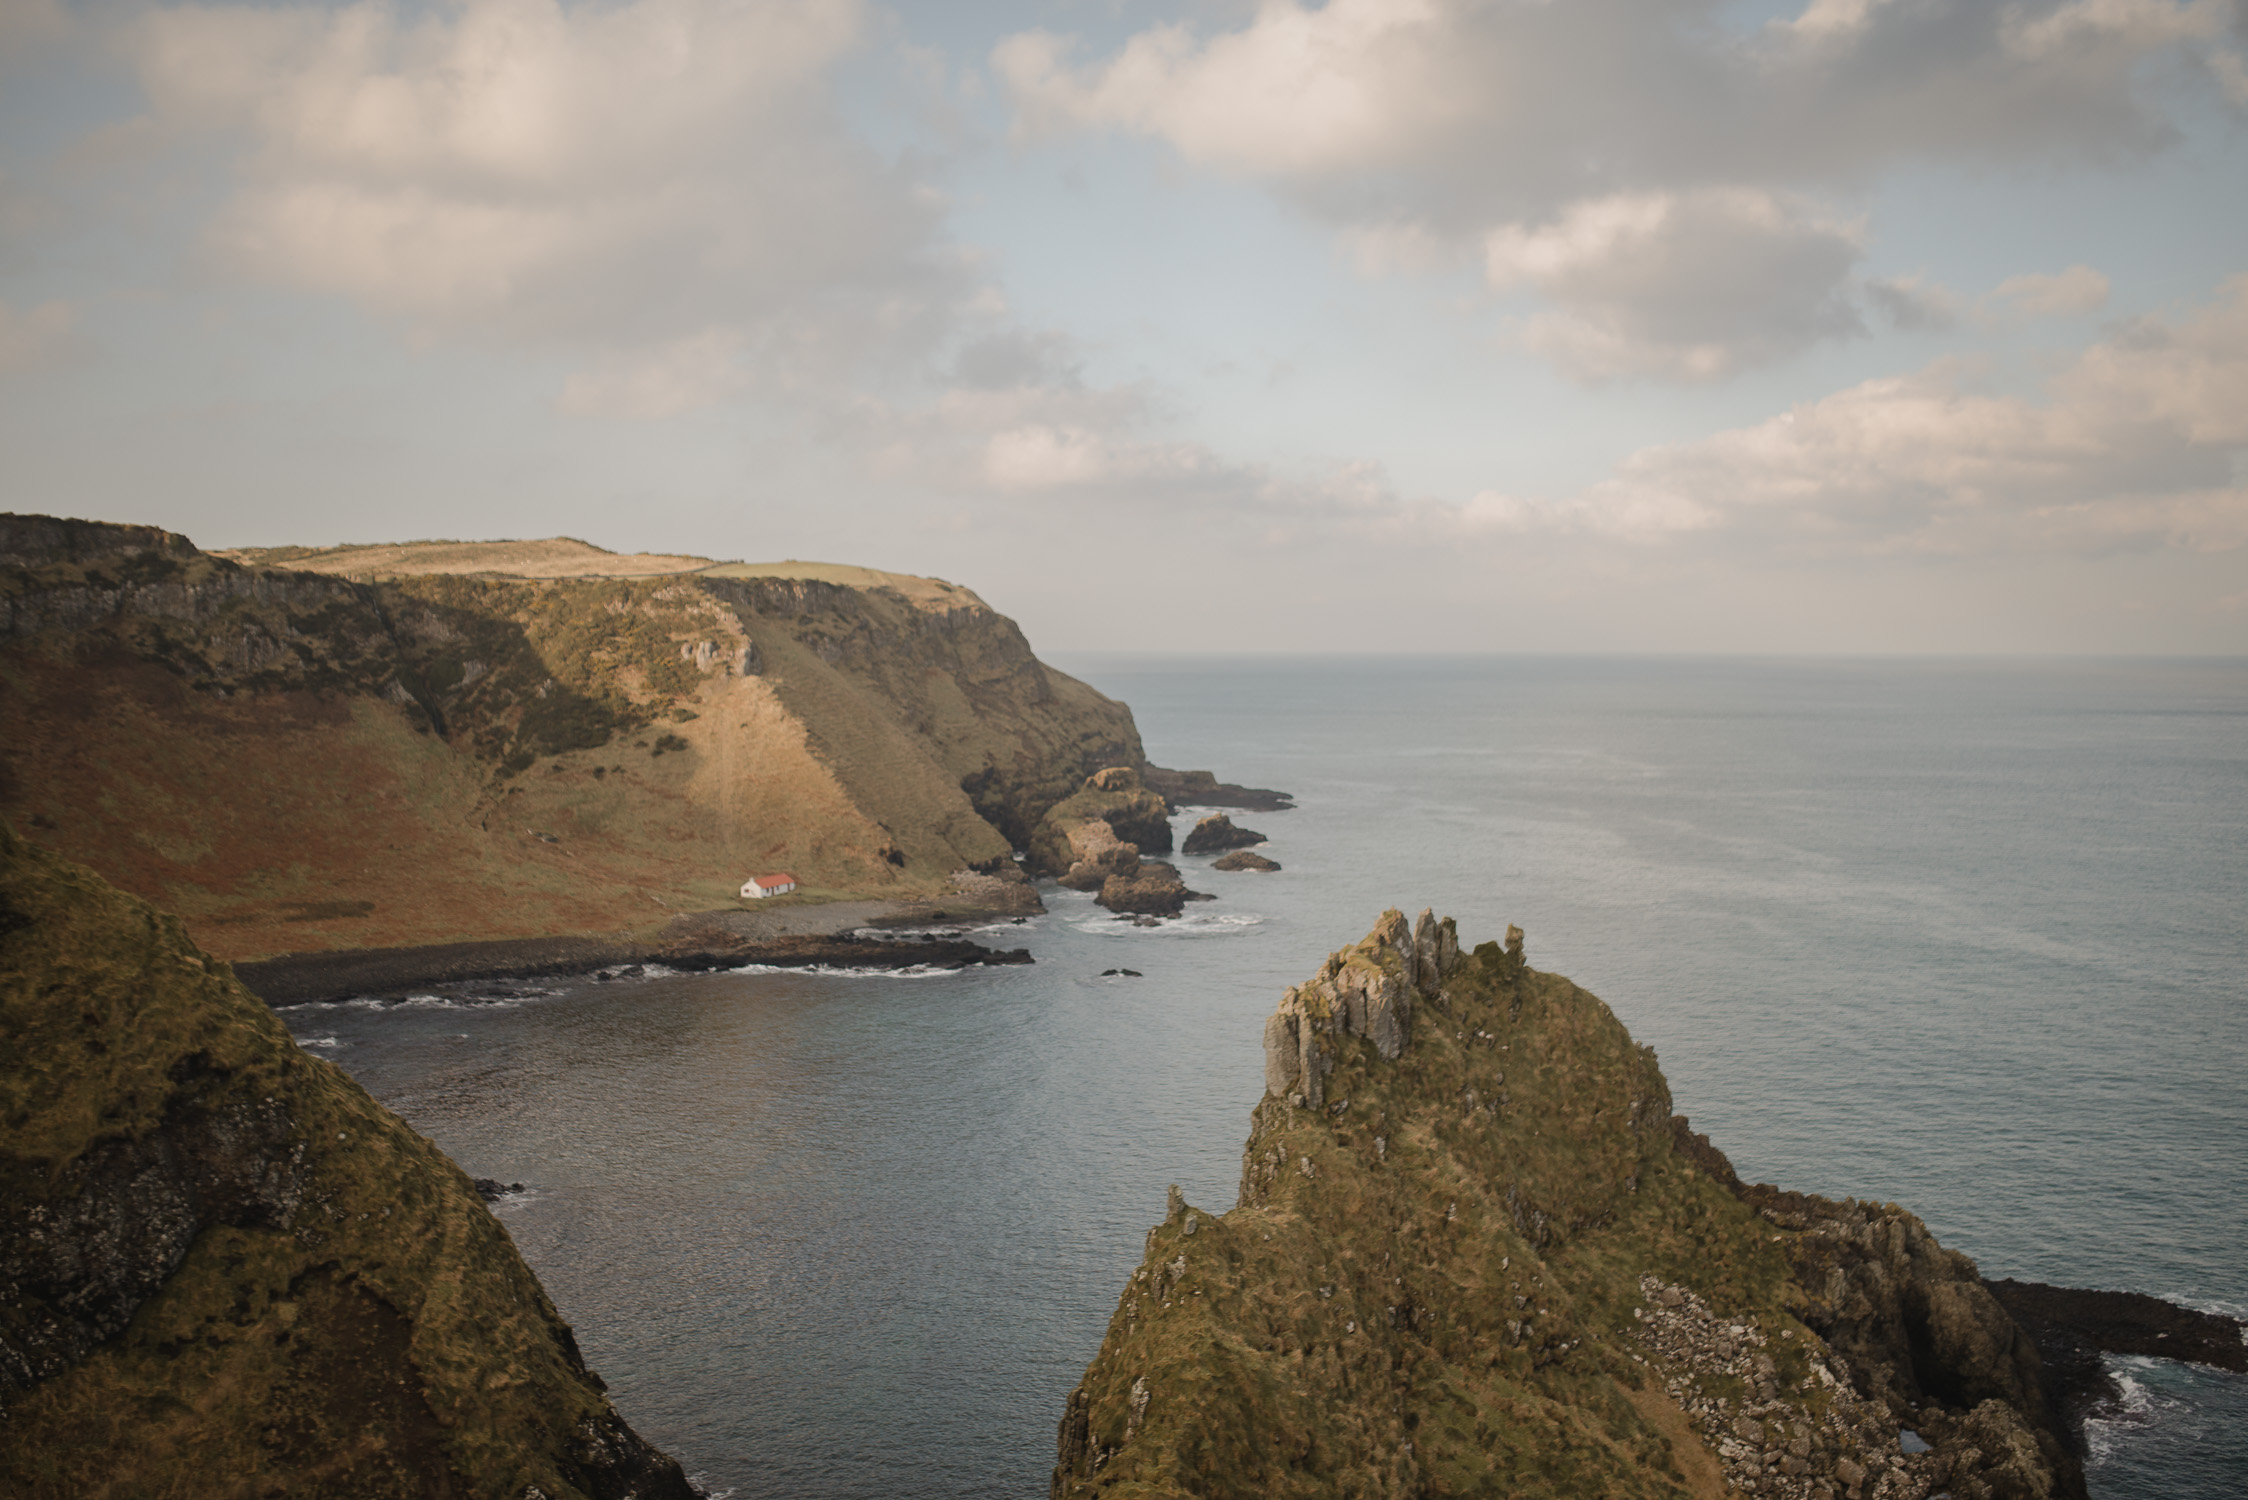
(1475, 1253)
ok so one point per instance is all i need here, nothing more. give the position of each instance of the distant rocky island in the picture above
(571, 757)
(1475, 1253)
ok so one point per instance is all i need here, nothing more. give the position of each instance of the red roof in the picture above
(778, 877)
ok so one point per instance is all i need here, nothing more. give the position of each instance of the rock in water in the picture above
(1476, 1254)
(1153, 890)
(1096, 854)
(226, 1270)
(1242, 859)
(1217, 832)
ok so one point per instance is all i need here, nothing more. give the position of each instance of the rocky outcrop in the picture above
(1242, 859)
(1474, 1253)
(1114, 796)
(1203, 789)
(1216, 833)
(1153, 889)
(223, 1259)
(1097, 855)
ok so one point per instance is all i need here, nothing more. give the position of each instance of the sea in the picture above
(1970, 936)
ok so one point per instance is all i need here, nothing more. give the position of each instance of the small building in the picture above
(758, 887)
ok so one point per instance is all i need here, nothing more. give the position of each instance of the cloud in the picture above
(668, 380)
(1688, 286)
(627, 177)
(25, 24)
(1410, 124)
(2138, 443)
(1909, 302)
(35, 337)
(2070, 293)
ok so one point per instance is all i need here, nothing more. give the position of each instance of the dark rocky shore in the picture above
(1202, 789)
(2073, 1327)
(715, 940)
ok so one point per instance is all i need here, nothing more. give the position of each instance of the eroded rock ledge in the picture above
(1475, 1253)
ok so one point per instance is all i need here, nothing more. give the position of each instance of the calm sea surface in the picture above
(1969, 937)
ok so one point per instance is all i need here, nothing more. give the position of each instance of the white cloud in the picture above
(2137, 443)
(1689, 286)
(1408, 124)
(626, 176)
(34, 337)
(2070, 293)
(668, 380)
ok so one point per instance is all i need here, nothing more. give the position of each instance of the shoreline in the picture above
(791, 937)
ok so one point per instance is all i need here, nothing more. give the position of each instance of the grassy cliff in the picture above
(226, 1270)
(1476, 1254)
(365, 747)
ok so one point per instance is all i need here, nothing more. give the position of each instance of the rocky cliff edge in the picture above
(225, 1270)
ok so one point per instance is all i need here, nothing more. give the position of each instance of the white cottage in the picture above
(779, 883)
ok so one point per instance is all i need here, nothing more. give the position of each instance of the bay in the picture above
(1967, 936)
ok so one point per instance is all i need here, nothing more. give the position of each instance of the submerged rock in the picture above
(1475, 1253)
(1242, 859)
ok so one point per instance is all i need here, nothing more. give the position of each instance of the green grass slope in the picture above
(227, 1271)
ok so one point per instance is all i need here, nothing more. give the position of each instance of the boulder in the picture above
(1217, 832)
(1154, 890)
(1242, 859)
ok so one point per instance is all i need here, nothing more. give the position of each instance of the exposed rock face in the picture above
(1114, 796)
(1217, 832)
(1098, 854)
(1242, 859)
(539, 755)
(1153, 889)
(1474, 1254)
(223, 1259)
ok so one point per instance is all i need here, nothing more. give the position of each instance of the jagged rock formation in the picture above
(1474, 1254)
(1215, 833)
(226, 1269)
(1243, 859)
(532, 749)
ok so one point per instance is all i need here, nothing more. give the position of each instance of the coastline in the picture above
(789, 937)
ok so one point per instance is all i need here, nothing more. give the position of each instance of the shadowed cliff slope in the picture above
(372, 747)
(1475, 1254)
(226, 1270)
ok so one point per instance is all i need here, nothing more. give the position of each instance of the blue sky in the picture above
(1866, 325)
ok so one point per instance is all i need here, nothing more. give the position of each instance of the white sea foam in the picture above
(1190, 925)
(318, 1041)
(917, 971)
(2134, 1407)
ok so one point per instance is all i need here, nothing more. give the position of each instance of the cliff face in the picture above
(226, 1269)
(1474, 1254)
(403, 751)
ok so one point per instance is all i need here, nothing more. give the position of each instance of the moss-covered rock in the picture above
(1474, 1254)
(226, 1270)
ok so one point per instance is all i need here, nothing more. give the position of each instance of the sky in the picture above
(1855, 326)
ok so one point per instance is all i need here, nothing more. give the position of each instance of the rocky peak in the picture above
(1365, 990)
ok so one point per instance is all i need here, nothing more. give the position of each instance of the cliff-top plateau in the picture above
(226, 1270)
(363, 747)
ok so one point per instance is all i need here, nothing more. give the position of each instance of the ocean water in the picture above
(1971, 937)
